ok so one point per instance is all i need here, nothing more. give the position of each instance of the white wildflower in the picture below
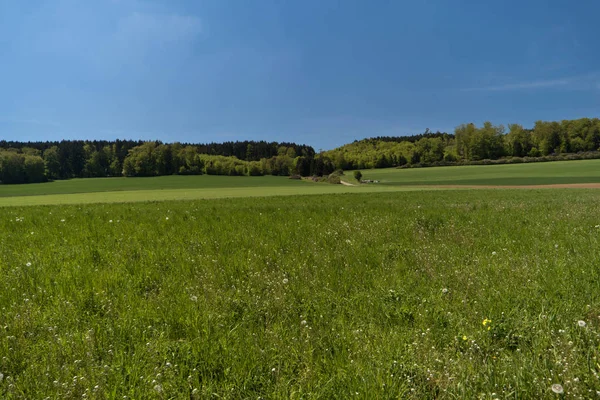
(581, 324)
(493, 253)
(557, 388)
(28, 264)
(194, 298)
(444, 290)
(285, 281)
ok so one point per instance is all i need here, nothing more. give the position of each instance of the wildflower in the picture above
(110, 221)
(493, 253)
(556, 246)
(285, 281)
(62, 220)
(444, 290)
(158, 388)
(28, 264)
(557, 388)
(195, 392)
(465, 338)
(303, 322)
(486, 322)
(167, 218)
(194, 298)
(581, 324)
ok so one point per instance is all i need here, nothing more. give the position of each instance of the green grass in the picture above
(583, 171)
(370, 295)
(111, 190)
(93, 185)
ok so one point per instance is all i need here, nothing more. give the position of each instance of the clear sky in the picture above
(319, 72)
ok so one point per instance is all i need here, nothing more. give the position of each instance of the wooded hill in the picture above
(472, 144)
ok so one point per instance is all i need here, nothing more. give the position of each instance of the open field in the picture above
(558, 172)
(111, 190)
(454, 294)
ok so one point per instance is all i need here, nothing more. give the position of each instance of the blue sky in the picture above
(319, 72)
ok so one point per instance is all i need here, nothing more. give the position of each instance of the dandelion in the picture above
(465, 338)
(581, 324)
(557, 388)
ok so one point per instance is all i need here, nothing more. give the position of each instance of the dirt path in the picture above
(347, 183)
(552, 186)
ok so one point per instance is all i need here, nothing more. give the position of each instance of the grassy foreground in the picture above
(455, 294)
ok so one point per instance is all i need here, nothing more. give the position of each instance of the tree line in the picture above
(472, 144)
(32, 162)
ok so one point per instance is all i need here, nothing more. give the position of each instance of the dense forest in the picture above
(41, 161)
(472, 144)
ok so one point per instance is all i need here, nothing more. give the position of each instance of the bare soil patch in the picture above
(552, 186)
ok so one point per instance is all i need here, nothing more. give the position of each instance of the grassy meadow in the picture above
(432, 294)
(166, 188)
(558, 172)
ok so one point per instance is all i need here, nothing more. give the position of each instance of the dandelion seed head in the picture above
(557, 388)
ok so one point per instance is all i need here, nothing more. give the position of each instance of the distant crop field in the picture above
(558, 172)
(165, 188)
(430, 294)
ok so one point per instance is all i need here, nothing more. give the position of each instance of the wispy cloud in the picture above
(158, 28)
(522, 85)
(581, 82)
(26, 121)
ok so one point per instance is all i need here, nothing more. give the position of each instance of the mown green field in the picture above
(558, 172)
(450, 295)
(116, 190)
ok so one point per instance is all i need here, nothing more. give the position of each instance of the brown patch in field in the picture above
(553, 186)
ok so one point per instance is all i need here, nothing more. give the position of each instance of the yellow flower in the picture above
(464, 337)
(486, 322)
